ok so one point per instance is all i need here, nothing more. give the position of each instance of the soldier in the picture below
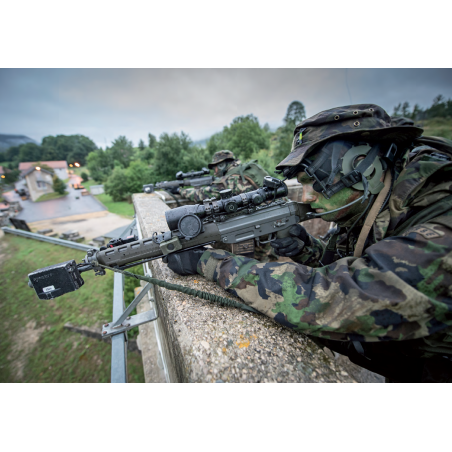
(230, 173)
(380, 291)
(240, 178)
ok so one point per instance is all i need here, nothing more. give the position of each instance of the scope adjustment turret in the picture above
(226, 194)
(231, 207)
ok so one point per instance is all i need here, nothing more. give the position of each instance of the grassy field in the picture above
(437, 127)
(35, 346)
(49, 196)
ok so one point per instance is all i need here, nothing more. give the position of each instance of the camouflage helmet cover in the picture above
(221, 156)
(362, 121)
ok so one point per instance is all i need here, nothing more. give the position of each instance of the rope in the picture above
(183, 289)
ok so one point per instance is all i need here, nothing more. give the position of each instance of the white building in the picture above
(59, 166)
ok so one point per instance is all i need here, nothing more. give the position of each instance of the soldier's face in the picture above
(320, 204)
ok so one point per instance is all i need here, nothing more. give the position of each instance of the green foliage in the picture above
(440, 108)
(49, 196)
(72, 148)
(58, 185)
(99, 165)
(437, 127)
(137, 174)
(152, 141)
(244, 137)
(121, 151)
(176, 153)
(84, 177)
(116, 185)
(295, 114)
(11, 175)
(141, 144)
(146, 154)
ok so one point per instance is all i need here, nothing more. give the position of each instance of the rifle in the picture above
(231, 219)
(190, 179)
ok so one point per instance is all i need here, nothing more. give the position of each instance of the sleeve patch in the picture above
(425, 232)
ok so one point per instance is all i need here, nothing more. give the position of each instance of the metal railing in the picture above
(44, 238)
(122, 321)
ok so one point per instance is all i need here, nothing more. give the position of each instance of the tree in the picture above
(406, 109)
(72, 148)
(141, 145)
(295, 114)
(245, 136)
(84, 176)
(29, 152)
(137, 175)
(117, 185)
(152, 141)
(100, 165)
(58, 185)
(175, 153)
(121, 151)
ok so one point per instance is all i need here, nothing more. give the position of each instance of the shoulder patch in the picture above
(425, 232)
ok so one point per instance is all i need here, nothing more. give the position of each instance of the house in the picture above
(59, 166)
(39, 182)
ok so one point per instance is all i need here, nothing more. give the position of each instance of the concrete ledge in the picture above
(203, 342)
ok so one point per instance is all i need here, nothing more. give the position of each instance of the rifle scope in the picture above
(192, 174)
(186, 218)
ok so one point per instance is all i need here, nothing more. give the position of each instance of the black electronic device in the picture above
(56, 280)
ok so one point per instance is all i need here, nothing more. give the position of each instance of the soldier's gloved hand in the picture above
(292, 245)
(175, 190)
(184, 263)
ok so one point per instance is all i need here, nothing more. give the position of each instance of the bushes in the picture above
(58, 185)
(84, 176)
(124, 182)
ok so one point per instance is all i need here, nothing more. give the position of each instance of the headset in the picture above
(359, 164)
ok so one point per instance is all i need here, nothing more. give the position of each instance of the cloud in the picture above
(106, 103)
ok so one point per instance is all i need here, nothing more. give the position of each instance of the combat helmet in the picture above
(221, 156)
(363, 122)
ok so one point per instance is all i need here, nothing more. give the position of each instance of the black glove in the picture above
(293, 245)
(175, 190)
(186, 262)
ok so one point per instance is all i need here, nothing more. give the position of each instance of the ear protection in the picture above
(358, 164)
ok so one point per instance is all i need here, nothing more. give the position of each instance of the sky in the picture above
(106, 103)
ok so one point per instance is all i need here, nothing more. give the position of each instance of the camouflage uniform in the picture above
(263, 253)
(232, 181)
(395, 300)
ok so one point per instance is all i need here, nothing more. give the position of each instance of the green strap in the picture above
(183, 289)
(434, 210)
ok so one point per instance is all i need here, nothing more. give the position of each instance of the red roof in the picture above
(23, 166)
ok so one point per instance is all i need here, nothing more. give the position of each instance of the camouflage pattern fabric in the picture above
(400, 289)
(367, 122)
(232, 181)
(219, 157)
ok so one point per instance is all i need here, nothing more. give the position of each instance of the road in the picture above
(57, 208)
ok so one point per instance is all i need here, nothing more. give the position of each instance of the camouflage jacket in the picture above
(400, 289)
(232, 181)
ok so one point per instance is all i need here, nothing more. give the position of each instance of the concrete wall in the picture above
(201, 341)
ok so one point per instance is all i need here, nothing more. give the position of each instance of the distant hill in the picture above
(6, 141)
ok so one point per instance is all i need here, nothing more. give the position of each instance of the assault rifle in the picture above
(190, 179)
(231, 219)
